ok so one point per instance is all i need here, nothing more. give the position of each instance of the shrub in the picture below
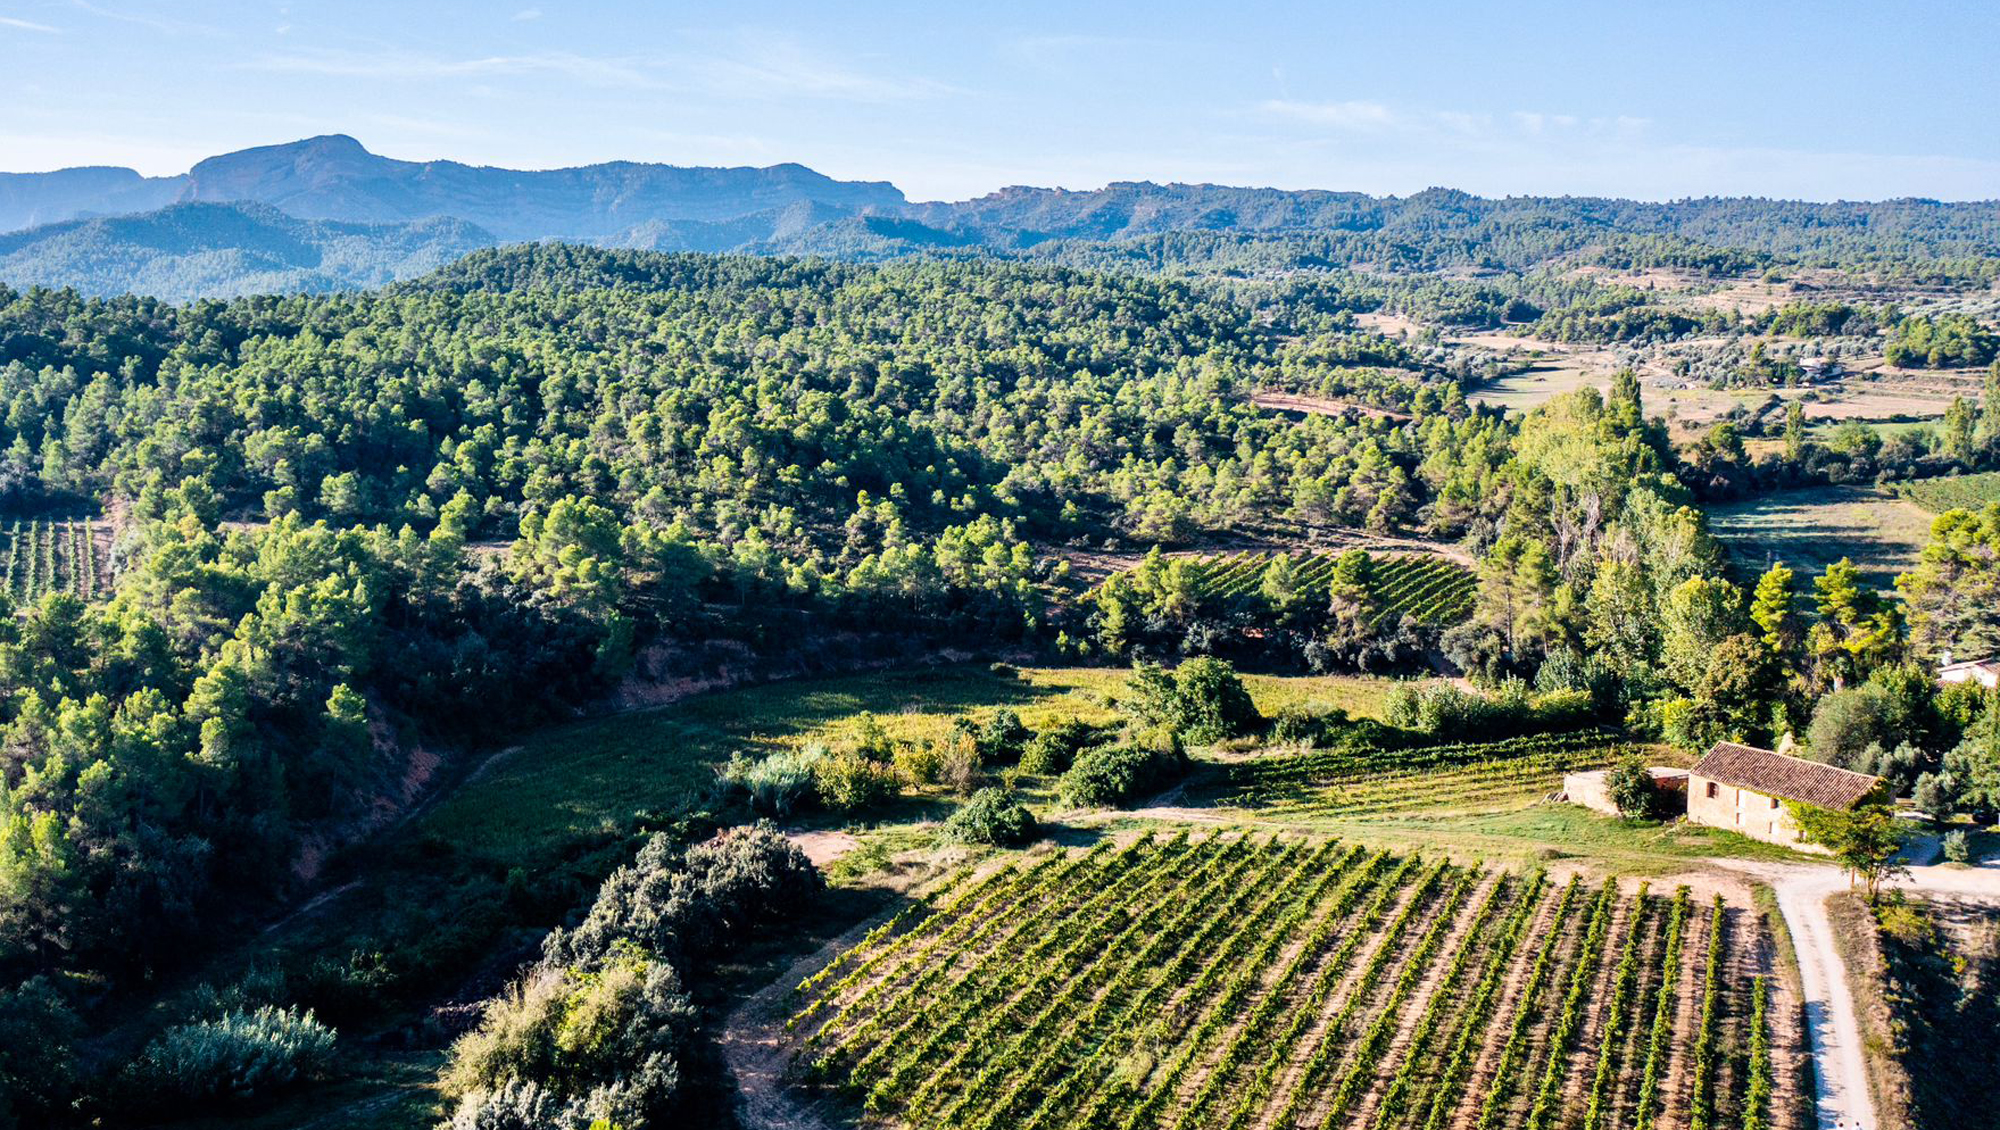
(848, 781)
(1052, 750)
(38, 1032)
(777, 785)
(1203, 700)
(1936, 795)
(1441, 708)
(239, 1053)
(675, 904)
(1633, 792)
(1003, 739)
(920, 764)
(1213, 702)
(1114, 775)
(1957, 847)
(992, 816)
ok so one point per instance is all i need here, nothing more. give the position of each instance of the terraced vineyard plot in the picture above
(1433, 590)
(1467, 777)
(44, 555)
(1956, 492)
(1289, 984)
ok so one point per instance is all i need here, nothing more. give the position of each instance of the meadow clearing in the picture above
(1812, 528)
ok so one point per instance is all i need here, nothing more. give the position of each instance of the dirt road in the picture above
(1832, 1024)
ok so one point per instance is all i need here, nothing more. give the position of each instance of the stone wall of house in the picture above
(1754, 814)
(1591, 790)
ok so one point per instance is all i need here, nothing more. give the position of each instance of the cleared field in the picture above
(1519, 392)
(1958, 492)
(45, 555)
(1810, 529)
(591, 777)
(1443, 779)
(1288, 983)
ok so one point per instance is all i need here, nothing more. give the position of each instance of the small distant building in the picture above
(1985, 672)
(1744, 789)
(1592, 789)
(1817, 369)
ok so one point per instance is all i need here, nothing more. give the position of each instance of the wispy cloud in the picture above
(28, 25)
(527, 14)
(1379, 118)
(593, 70)
(156, 23)
(759, 70)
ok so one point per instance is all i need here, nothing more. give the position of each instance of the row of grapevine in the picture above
(1231, 982)
(1954, 492)
(51, 555)
(1469, 776)
(1703, 1102)
(1659, 1046)
(1423, 586)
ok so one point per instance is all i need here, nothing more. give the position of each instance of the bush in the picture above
(1054, 749)
(677, 904)
(848, 782)
(1633, 792)
(1114, 775)
(777, 785)
(603, 1043)
(237, 1054)
(1957, 847)
(992, 816)
(1203, 701)
(1308, 725)
(38, 1033)
(920, 764)
(1003, 739)
(1444, 709)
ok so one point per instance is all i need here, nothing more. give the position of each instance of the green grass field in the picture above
(1810, 529)
(592, 776)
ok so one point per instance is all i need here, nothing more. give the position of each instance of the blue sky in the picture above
(949, 100)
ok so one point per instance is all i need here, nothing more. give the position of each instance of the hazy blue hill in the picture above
(31, 199)
(364, 219)
(336, 178)
(192, 250)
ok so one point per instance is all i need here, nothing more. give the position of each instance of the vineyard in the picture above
(1427, 588)
(1293, 984)
(1461, 777)
(1957, 492)
(51, 555)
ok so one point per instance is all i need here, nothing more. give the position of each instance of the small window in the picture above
(1774, 802)
(1711, 790)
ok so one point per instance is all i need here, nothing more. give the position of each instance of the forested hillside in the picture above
(349, 538)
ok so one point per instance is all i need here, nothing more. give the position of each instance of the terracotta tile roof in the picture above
(1788, 778)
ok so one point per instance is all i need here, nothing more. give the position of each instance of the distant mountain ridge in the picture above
(186, 251)
(325, 213)
(335, 178)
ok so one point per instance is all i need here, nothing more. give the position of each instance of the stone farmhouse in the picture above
(1744, 789)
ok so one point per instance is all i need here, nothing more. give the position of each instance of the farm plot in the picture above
(1425, 587)
(1455, 778)
(1956, 492)
(1293, 984)
(45, 555)
(1812, 528)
